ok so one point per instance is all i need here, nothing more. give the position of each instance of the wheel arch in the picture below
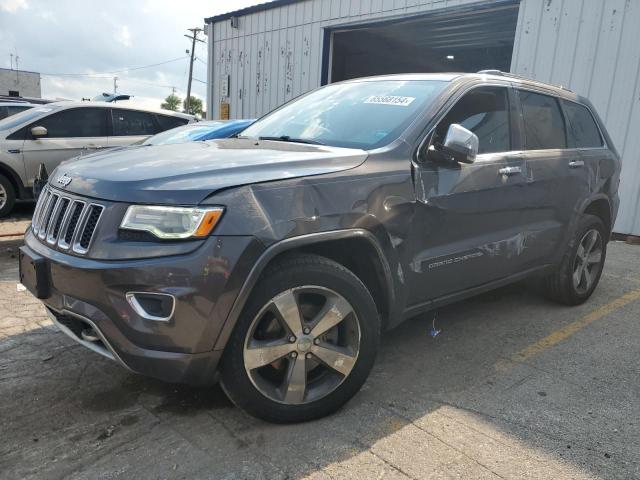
(375, 275)
(15, 180)
(600, 207)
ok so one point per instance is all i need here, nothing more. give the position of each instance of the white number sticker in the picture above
(390, 100)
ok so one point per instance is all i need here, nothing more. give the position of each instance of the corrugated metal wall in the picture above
(590, 46)
(276, 54)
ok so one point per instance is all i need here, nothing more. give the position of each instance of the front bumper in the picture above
(86, 294)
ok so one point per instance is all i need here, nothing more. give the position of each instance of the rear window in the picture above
(166, 122)
(583, 127)
(132, 122)
(544, 126)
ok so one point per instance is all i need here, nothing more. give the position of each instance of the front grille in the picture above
(66, 222)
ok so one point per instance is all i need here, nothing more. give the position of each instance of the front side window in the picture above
(360, 114)
(544, 126)
(76, 122)
(582, 125)
(484, 111)
(128, 123)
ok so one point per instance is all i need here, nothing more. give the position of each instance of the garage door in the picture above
(450, 40)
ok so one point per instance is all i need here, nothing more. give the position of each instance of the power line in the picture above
(113, 72)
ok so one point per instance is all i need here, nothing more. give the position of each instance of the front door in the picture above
(70, 133)
(468, 216)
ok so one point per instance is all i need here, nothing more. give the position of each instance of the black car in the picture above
(273, 261)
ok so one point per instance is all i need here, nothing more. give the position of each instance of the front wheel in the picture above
(305, 343)
(579, 274)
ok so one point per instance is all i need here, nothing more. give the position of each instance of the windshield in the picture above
(25, 117)
(187, 133)
(365, 114)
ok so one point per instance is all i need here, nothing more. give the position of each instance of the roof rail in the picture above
(513, 75)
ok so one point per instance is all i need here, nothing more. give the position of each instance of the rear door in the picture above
(555, 181)
(131, 126)
(71, 132)
(467, 226)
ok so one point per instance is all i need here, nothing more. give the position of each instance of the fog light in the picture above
(158, 307)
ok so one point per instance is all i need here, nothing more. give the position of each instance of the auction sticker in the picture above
(390, 100)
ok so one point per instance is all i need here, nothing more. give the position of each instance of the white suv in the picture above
(55, 132)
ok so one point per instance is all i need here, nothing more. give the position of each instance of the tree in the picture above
(195, 106)
(172, 102)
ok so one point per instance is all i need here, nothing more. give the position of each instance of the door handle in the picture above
(576, 164)
(509, 171)
(13, 150)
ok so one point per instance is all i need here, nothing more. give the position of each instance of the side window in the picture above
(484, 111)
(77, 122)
(544, 126)
(583, 126)
(13, 110)
(166, 122)
(132, 122)
(4, 112)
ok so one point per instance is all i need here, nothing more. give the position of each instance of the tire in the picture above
(270, 391)
(561, 286)
(7, 196)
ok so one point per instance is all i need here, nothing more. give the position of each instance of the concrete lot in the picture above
(513, 387)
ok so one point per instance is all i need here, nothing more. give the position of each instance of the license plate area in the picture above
(34, 273)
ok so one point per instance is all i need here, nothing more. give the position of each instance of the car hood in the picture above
(187, 173)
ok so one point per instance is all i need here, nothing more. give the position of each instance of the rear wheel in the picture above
(7, 196)
(581, 268)
(305, 342)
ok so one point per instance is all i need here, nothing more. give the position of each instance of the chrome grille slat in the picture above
(65, 237)
(44, 199)
(58, 216)
(46, 219)
(82, 241)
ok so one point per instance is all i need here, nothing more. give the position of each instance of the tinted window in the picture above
(166, 122)
(4, 112)
(582, 125)
(484, 111)
(131, 122)
(77, 122)
(543, 122)
(359, 114)
(16, 109)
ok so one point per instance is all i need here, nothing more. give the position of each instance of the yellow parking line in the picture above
(568, 330)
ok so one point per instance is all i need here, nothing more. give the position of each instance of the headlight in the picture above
(172, 222)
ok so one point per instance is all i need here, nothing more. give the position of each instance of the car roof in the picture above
(73, 104)
(487, 75)
(17, 104)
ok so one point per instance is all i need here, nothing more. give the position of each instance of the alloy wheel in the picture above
(587, 262)
(302, 345)
(3, 196)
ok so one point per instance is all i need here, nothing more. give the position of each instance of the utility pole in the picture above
(194, 38)
(115, 85)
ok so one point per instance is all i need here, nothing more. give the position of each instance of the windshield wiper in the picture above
(287, 138)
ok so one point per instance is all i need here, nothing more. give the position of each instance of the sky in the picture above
(94, 37)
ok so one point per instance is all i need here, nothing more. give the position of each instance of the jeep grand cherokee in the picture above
(273, 261)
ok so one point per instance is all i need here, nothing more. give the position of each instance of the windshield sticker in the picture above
(390, 100)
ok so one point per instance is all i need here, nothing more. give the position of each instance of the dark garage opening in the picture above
(460, 41)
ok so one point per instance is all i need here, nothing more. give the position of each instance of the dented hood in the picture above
(187, 173)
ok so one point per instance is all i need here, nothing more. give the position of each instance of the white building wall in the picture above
(589, 46)
(27, 84)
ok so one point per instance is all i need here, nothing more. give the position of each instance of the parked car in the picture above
(199, 132)
(55, 132)
(11, 108)
(275, 260)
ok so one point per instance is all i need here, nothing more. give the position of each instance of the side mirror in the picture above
(461, 144)
(38, 132)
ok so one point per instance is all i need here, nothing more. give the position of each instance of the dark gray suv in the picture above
(274, 260)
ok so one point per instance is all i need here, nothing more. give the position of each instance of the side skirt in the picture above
(414, 310)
